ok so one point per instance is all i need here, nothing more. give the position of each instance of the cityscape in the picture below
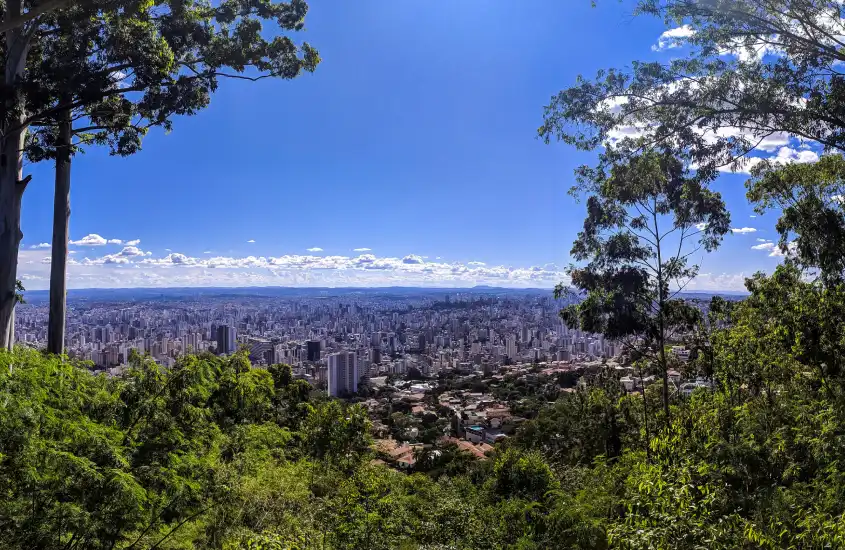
(382, 347)
(369, 333)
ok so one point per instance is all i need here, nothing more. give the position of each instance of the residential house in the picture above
(474, 433)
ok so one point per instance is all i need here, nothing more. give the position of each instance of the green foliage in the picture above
(812, 212)
(19, 290)
(582, 426)
(755, 463)
(127, 68)
(213, 453)
(645, 217)
(797, 91)
(522, 475)
(337, 434)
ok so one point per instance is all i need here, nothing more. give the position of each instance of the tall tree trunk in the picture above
(662, 284)
(645, 416)
(12, 331)
(61, 217)
(11, 191)
(11, 166)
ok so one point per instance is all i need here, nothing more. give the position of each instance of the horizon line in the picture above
(431, 288)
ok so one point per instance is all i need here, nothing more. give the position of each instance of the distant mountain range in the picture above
(124, 294)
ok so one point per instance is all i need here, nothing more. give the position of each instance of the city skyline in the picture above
(327, 337)
(413, 151)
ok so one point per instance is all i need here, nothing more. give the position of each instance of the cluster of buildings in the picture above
(333, 339)
(341, 340)
(472, 421)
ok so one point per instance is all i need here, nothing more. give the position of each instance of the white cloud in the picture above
(718, 281)
(126, 256)
(753, 216)
(131, 251)
(315, 249)
(773, 249)
(701, 226)
(174, 258)
(742, 230)
(774, 142)
(91, 239)
(750, 52)
(790, 248)
(759, 240)
(361, 249)
(476, 263)
(786, 155)
(251, 241)
(40, 245)
(673, 38)
(779, 148)
(118, 79)
(205, 252)
(135, 268)
(412, 259)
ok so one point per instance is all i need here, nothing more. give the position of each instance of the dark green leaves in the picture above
(645, 219)
(124, 69)
(751, 71)
(811, 200)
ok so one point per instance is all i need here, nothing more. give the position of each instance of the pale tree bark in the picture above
(11, 192)
(61, 217)
(45, 6)
(12, 331)
(12, 185)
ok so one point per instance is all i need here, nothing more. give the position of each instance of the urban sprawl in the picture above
(391, 350)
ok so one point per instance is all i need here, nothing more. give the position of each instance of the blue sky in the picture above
(415, 139)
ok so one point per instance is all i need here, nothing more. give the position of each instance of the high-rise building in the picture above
(226, 337)
(510, 347)
(313, 350)
(260, 350)
(343, 373)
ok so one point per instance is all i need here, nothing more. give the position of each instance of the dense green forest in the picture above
(214, 453)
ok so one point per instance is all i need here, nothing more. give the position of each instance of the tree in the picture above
(645, 218)
(19, 290)
(19, 299)
(11, 23)
(751, 77)
(171, 57)
(518, 474)
(811, 202)
(414, 374)
(337, 434)
(753, 74)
